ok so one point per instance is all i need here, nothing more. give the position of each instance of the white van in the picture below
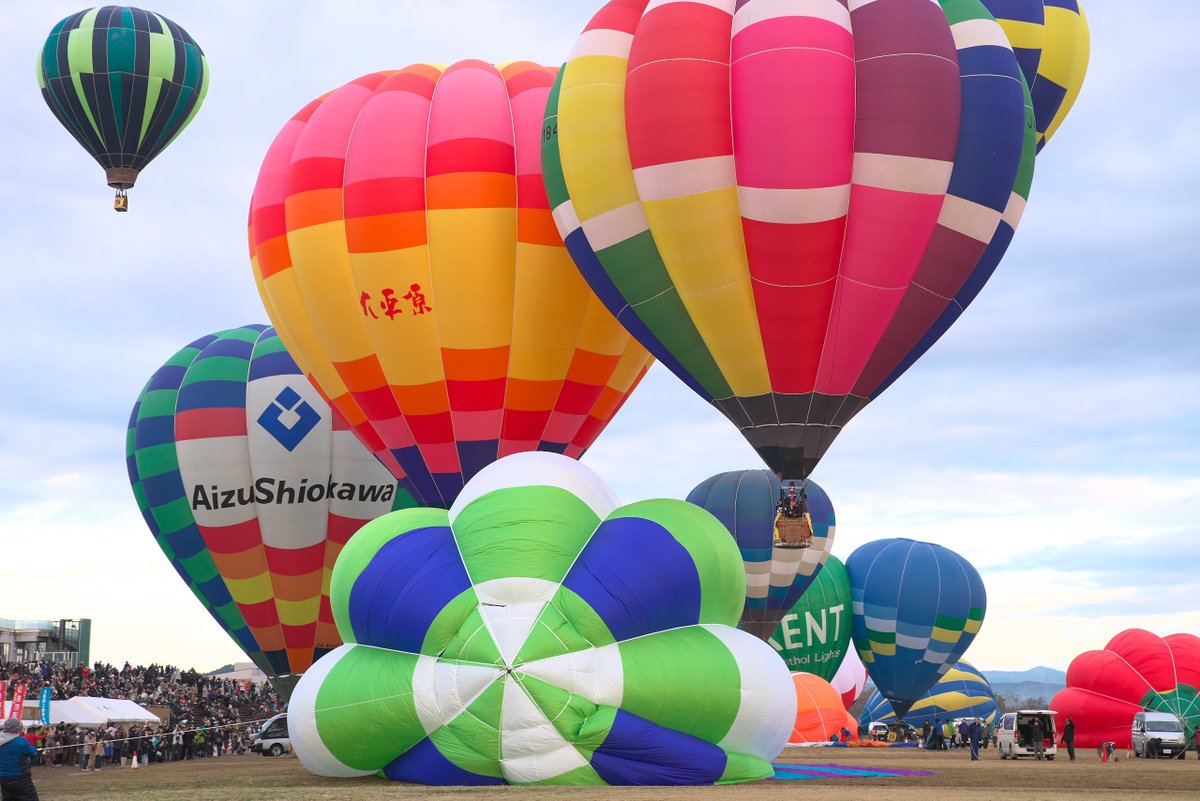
(1012, 733)
(272, 739)
(1158, 734)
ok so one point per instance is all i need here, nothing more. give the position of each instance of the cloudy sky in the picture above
(1052, 438)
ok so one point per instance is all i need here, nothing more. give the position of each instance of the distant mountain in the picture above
(1016, 685)
(1037, 675)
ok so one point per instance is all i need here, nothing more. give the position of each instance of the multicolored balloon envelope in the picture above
(963, 692)
(405, 250)
(251, 485)
(1137, 671)
(814, 635)
(819, 711)
(786, 203)
(745, 501)
(540, 633)
(917, 608)
(1052, 43)
(125, 82)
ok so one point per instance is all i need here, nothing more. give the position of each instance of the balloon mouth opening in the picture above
(121, 178)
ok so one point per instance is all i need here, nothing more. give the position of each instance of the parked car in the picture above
(1158, 734)
(891, 732)
(272, 739)
(1012, 735)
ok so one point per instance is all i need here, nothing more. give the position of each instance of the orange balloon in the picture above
(819, 711)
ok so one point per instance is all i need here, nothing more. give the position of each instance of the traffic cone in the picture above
(135, 761)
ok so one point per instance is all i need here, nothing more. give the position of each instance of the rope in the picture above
(170, 733)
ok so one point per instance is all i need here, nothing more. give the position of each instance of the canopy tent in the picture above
(94, 712)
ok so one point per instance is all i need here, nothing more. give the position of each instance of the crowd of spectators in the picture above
(206, 716)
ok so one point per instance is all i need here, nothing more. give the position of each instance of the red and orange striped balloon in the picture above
(405, 250)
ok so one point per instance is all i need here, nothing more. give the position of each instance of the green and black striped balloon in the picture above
(124, 82)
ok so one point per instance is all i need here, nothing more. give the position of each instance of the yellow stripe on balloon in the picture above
(1078, 71)
(544, 343)
(593, 145)
(278, 293)
(700, 239)
(413, 359)
(1024, 35)
(251, 591)
(1062, 39)
(469, 273)
(326, 288)
(298, 613)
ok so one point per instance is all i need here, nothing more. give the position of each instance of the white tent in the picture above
(92, 712)
(73, 713)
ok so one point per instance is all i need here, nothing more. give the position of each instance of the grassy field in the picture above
(254, 778)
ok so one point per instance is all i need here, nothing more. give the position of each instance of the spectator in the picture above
(224, 709)
(16, 755)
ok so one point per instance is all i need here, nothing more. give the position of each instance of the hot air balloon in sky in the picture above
(1052, 43)
(251, 485)
(814, 635)
(1137, 671)
(514, 640)
(781, 200)
(917, 608)
(963, 692)
(125, 82)
(775, 577)
(405, 250)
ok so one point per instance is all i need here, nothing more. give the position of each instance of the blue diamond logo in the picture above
(291, 436)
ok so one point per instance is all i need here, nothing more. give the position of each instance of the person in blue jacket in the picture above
(16, 756)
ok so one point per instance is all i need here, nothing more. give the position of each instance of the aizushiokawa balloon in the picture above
(125, 82)
(917, 608)
(781, 200)
(405, 250)
(744, 501)
(251, 485)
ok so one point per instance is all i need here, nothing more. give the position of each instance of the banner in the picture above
(44, 706)
(18, 704)
(3, 695)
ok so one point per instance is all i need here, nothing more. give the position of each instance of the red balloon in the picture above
(1137, 671)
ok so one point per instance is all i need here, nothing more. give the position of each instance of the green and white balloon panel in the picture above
(540, 633)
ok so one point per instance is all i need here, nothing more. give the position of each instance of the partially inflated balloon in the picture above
(780, 200)
(917, 608)
(850, 679)
(814, 635)
(1137, 671)
(538, 633)
(819, 711)
(963, 692)
(405, 250)
(745, 502)
(125, 82)
(1052, 43)
(251, 485)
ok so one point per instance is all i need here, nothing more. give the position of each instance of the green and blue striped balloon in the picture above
(125, 82)
(538, 633)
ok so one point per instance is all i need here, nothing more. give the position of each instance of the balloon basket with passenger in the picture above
(793, 522)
